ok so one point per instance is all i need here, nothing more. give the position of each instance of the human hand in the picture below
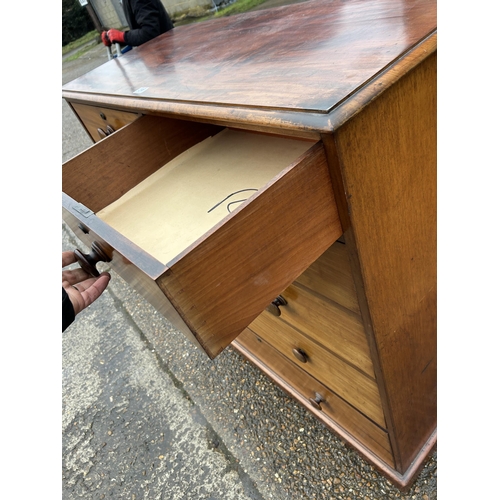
(116, 36)
(105, 39)
(82, 288)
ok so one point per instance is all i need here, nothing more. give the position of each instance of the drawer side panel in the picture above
(103, 173)
(331, 277)
(255, 254)
(129, 271)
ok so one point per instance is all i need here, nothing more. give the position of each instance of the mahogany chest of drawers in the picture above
(268, 182)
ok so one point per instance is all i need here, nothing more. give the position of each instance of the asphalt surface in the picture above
(146, 415)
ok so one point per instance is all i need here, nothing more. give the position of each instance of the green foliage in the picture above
(238, 7)
(91, 36)
(76, 21)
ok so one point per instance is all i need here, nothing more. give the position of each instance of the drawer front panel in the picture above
(225, 278)
(228, 280)
(331, 277)
(127, 261)
(348, 382)
(338, 415)
(340, 331)
(101, 122)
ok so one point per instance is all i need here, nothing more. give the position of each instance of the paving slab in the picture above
(147, 416)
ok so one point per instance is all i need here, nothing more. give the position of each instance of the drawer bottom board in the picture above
(209, 181)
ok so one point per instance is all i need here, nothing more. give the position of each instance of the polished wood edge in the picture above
(401, 481)
(303, 122)
(220, 115)
(354, 104)
(149, 265)
(130, 105)
(407, 479)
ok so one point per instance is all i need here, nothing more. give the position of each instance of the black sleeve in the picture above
(147, 16)
(68, 313)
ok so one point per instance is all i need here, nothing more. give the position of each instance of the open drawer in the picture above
(208, 224)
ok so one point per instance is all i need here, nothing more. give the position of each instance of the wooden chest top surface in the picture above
(307, 57)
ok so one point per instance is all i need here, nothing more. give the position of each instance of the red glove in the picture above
(105, 39)
(116, 36)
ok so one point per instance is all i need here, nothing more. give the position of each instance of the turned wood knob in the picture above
(88, 261)
(300, 355)
(101, 133)
(104, 133)
(316, 401)
(274, 306)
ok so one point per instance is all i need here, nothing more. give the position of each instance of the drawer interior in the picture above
(189, 195)
(110, 168)
(220, 221)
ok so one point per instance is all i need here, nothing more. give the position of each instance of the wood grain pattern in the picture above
(331, 276)
(390, 186)
(360, 432)
(221, 282)
(256, 253)
(305, 58)
(182, 201)
(348, 382)
(339, 330)
(85, 222)
(94, 117)
(361, 76)
(113, 166)
(128, 261)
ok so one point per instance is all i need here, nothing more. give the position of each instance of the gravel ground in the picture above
(147, 415)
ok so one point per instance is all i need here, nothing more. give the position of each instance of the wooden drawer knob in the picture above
(101, 133)
(88, 261)
(300, 355)
(104, 133)
(274, 306)
(316, 401)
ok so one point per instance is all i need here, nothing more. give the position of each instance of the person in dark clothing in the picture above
(79, 289)
(146, 19)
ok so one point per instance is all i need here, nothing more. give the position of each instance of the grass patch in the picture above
(92, 35)
(80, 52)
(238, 7)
